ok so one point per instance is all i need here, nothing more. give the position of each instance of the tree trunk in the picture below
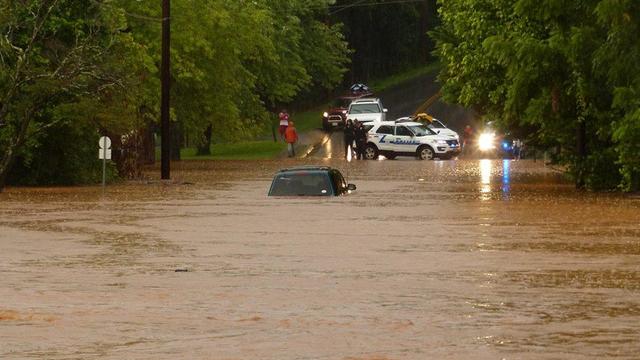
(204, 147)
(148, 146)
(555, 99)
(176, 141)
(581, 154)
(15, 142)
(5, 165)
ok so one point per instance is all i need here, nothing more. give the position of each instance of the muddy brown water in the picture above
(434, 259)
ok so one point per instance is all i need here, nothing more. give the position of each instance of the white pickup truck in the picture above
(367, 109)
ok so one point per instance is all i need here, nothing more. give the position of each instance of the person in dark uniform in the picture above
(361, 138)
(349, 136)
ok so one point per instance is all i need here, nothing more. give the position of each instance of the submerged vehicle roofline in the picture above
(306, 167)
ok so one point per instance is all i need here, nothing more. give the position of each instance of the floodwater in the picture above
(427, 259)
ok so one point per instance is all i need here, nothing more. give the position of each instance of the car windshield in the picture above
(436, 124)
(421, 130)
(364, 109)
(301, 183)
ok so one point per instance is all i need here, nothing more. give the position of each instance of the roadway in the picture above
(402, 100)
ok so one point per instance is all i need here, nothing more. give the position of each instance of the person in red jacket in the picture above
(291, 137)
(284, 122)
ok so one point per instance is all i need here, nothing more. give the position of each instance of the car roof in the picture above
(307, 168)
(366, 100)
(410, 118)
(404, 118)
(356, 96)
(391, 123)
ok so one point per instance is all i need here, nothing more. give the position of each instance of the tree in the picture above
(618, 58)
(78, 69)
(233, 61)
(57, 57)
(536, 68)
(386, 37)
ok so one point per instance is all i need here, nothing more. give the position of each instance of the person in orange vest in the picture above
(291, 137)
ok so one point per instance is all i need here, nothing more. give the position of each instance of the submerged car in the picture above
(309, 181)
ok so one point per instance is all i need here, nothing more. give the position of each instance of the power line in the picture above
(345, 7)
(377, 3)
(333, 9)
(128, 14)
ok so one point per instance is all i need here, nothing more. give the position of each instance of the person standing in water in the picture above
(361, 138)
(348, 138)
(291, 137)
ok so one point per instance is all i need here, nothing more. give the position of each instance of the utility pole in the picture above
(165, 75)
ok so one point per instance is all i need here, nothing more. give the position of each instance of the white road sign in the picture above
(104, 143)
(104, 154)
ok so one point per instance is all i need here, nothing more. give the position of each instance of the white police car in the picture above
(434, 124)
(391, 139)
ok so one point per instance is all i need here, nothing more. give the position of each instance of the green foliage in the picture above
(55, 56)
(554, 70)
(65, 155)
(234, 62)
(68, 66)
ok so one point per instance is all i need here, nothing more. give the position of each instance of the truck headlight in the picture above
(486, 141)
(325, 114)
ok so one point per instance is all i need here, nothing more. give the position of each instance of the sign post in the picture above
(105, 154)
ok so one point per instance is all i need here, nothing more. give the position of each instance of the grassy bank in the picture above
(382, 84)
(248, 150)
(309, 119)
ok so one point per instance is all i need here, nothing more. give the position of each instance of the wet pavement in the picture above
(405, 98)
(462, 259)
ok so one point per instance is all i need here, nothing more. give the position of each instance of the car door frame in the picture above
(384, 142)
(404, 143)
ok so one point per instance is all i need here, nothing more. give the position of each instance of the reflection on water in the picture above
(485, 178)
(506, 176)
(487, 168)
(327, 149)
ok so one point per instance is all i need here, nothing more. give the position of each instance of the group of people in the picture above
(288, 132)
(354, 131)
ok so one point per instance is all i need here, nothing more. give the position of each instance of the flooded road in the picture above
(427, 259)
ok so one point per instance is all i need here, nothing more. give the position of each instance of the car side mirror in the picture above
(351, 187)
(385, 110)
